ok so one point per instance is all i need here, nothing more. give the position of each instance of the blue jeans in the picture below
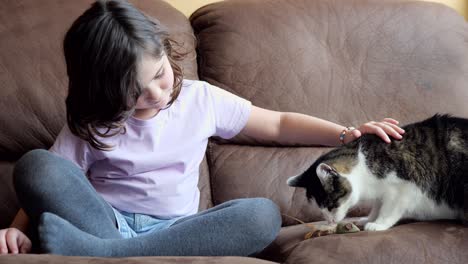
(45, 182)
(133, 225)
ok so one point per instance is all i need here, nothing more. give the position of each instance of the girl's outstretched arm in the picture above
(294, 128)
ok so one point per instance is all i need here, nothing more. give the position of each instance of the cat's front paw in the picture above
(362, 222)
(375, 227)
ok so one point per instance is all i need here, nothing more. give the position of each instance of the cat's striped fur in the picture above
(419, 177)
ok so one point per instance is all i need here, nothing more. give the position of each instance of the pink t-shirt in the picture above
(153, 168)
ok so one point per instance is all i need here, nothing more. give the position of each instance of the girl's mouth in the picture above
(154, 103)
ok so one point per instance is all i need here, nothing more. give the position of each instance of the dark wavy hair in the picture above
(103, 48)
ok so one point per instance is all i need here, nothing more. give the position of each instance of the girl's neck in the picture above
(145, 114)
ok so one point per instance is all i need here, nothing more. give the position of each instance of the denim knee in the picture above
(38, 169)
(264, 219)
(23, 173)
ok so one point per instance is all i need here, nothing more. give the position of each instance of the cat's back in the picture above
(426, 145)
(437, 133)
(433, 155)
(441, 128)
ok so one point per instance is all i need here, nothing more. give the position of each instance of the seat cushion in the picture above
(416, 242)
(55, 259)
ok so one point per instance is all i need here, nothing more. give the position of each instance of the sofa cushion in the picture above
(55, 259)
(253, 171)
(422, 242)
(8, 202)
(407, 242)
(344, 61)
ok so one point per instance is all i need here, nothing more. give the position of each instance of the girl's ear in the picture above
(324, 171)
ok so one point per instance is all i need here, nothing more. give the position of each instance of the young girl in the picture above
(121, 178)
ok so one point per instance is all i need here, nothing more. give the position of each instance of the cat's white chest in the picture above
(399, 195)
(418, 205)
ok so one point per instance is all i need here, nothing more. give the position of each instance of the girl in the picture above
(121, 178)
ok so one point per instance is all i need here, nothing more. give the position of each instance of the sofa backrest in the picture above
(33, 80)
(344, 61)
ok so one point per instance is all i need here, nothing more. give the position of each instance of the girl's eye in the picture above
(159, 75)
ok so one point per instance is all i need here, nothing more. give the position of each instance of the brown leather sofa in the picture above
(348, 61)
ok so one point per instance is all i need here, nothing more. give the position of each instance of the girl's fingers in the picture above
(390, 129)
(3, 245)
(356, 133)
(384, 129)
(353, 135)
(394, 123)
(12, 240)
(25, 245)
(25, 249)
(383, 135)
(391, 120)
(379, 131)
(396, 128)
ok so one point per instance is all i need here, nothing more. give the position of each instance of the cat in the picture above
(419, 177)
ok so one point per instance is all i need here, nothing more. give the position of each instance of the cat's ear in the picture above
(324, 171)
(297, 181)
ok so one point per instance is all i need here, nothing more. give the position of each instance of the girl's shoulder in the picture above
(207, 92)
(200, 87)
(195, 88)
(193, 84)
(189, 83)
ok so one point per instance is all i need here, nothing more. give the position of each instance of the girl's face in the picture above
(158, 81)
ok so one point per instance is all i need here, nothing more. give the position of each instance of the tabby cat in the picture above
(420, 177)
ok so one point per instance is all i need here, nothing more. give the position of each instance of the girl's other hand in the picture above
(385, 128)
(13, 241)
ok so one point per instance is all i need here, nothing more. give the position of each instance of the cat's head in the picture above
(331, 191)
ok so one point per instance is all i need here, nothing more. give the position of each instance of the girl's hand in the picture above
(383, 129)
(13, 241)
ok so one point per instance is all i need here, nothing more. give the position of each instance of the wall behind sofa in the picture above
(189, 6)
(460, 5)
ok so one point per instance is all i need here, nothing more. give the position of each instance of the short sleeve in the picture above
(231, 112)
(73, 148)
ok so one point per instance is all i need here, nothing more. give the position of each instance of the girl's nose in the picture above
(155, 93)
